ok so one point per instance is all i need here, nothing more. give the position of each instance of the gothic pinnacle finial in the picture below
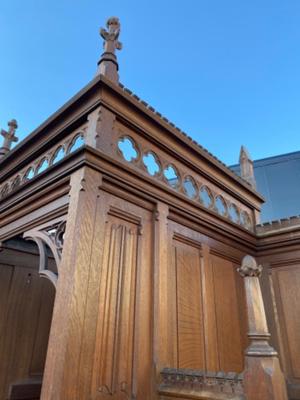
(108, 63)
(9, 137)
(246, 165)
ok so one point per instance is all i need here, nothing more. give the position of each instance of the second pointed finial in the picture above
(9, 137)
(246, 167)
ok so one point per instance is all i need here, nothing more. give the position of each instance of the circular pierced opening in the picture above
(128, 148)
(190, 187)
(206, 197)
(151, 163)
(171, 176)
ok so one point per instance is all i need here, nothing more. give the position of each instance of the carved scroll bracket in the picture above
(48, 237)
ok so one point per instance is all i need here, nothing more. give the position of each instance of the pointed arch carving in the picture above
(50, 235)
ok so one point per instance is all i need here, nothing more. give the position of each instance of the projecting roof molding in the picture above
(83, 104)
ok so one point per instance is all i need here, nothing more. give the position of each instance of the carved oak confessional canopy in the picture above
(107, 126)
(134, 221)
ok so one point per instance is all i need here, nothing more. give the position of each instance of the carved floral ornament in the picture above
(167, 172)
(54, 155)
(249, 268)
(111, 35)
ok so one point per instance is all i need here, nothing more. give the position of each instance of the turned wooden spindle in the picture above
(263, 378)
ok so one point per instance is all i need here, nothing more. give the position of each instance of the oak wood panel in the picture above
(6, 276)
(67, 374)
(209, 312)
(122, 363)
(41, 336)
(26, 303)
(101, 335)
(211, 322)
(230, 332)
(26, 390)
(117, 307)
(190, 325)
(287, 281)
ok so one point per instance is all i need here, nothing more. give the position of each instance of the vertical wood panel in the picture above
(43, 327)
(227, 312)
(122, 365)
(289, 299)
(116, 313)
(190, 328)
(209, 312)
(75, 315)
(26, 303)
(165, 342)
(100, 342)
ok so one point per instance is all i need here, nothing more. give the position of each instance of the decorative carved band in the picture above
(165, 170)
(196, 380)
(45, 161)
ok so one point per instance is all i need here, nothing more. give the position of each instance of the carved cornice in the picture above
(279, 226)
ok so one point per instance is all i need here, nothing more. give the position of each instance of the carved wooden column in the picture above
(263, 378)
(68, 370)
(163, 353)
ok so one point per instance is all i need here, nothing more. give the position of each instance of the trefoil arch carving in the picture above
(49, 237)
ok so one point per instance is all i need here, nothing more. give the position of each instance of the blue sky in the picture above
(226, 72)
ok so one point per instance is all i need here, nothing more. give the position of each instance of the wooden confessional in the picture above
(141, 232)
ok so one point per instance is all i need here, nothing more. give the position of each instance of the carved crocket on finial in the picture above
(249, 268)
(9, 137)
(108, 64)
(112, 35)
